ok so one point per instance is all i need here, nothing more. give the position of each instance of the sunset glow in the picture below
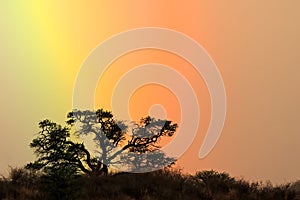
(254, 44)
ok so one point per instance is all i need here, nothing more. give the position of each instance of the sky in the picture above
(255, 45)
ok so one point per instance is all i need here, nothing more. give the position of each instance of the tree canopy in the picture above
(130, 144)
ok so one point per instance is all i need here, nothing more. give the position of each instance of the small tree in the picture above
(215, 183)
(56, 150)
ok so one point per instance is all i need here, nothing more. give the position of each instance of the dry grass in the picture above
(162, 184)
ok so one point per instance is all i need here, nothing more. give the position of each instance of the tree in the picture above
(56, 150)
(215, 182)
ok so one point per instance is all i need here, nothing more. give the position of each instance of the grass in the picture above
(163, 184)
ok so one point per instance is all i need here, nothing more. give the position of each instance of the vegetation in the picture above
(167, 183)
(66, 169)
(57, 152)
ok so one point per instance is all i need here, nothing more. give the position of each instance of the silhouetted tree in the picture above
(215, 181)
(56, 151)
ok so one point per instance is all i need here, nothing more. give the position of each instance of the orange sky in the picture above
(255, 45)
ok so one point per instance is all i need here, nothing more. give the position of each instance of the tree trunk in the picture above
(104, 170)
